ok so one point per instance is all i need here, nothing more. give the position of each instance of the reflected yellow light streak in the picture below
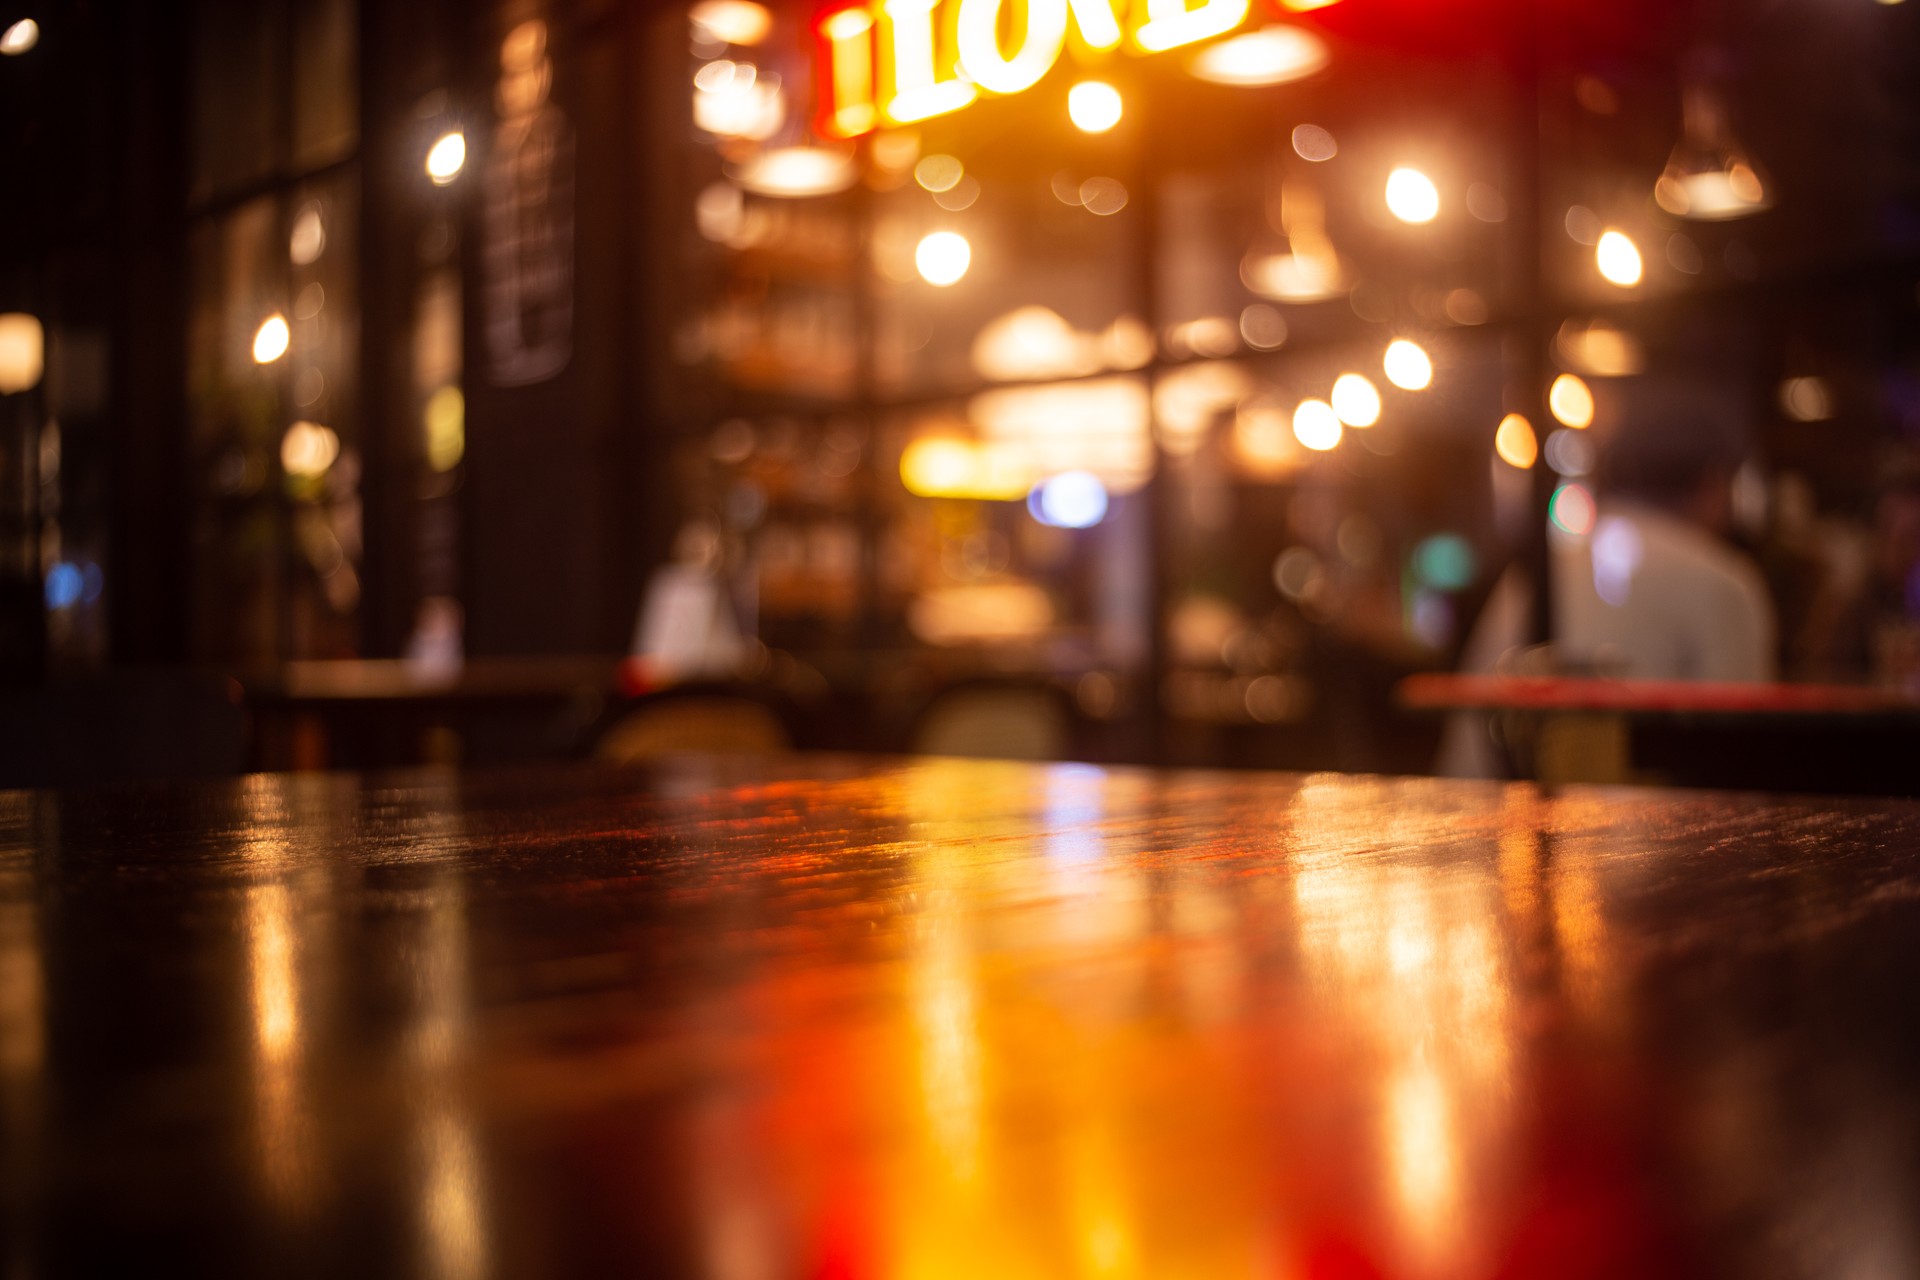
(1418, 960)
(1581, 930)
(1424, 1153)
(949, 1048)
(452, 1218)
(275, 998)
(285, 1128)
(451, 1208)
(23, 1039)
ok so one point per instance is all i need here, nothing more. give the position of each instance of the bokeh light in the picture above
(447, 157)
(1315, 144)
(797, 172)
(1571, 401)
(19, 38)
(947, 467)
(1297, 574)
(65, 586)
(1263, 327)
(734, 100)
(1103, 196)
(307, 238)
(1618, 258)
(23, 347)
(1412, 197)
(1070, 500)
(731, 21)
(1444, 562)
(1407, 365)
(1514, 441)
(1356, 400)
(1094, 106)
(270, 341)
(308, 449)
(942, 257)
(1570, 453)
(445, 422)
(1316, 425)
(1806, 399)
(939, 172)
(1572, 510)
(1271, 55)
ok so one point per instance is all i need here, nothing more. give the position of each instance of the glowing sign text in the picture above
(897, 61)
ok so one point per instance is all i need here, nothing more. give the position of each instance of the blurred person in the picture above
(1867, 620)
(1654, 590)
(689, 625)
(1657, 591)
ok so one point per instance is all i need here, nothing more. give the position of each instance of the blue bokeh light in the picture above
(1070, 500)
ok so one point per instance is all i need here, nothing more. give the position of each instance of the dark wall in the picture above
(559, 492)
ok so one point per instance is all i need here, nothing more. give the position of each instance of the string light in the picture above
(1571, 401)
(19, 38)
(1407, 365)
(943, 257)
(1356, 400)
(271, 340)
(1094, 106)
(446, 158)
(1412, 197)
(1514, 441)
(1316, 425)
(1618, 258)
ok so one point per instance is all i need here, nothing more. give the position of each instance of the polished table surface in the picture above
(1458, 691)
(824, 1017)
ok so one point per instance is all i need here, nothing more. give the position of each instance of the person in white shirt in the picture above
(1652, 591)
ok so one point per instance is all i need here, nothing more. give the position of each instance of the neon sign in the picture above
(887, 62)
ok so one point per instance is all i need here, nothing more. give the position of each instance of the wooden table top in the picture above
(1448, 691)
(824, 1017)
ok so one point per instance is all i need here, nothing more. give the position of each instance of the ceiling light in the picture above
(1271, 55)
(797, 172)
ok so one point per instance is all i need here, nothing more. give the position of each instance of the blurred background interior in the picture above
(503, 380)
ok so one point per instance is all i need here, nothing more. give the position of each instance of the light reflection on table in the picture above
(956, 1019)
